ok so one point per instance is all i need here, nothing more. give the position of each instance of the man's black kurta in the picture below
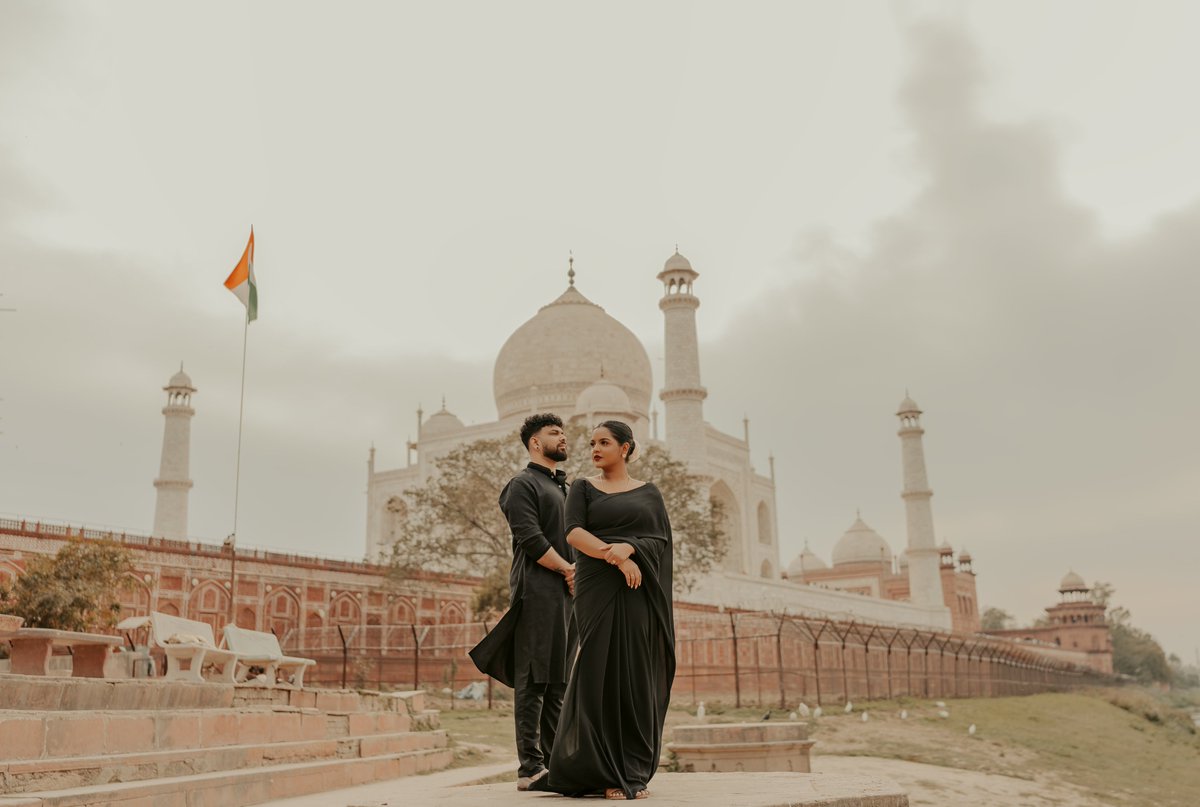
(534, 502)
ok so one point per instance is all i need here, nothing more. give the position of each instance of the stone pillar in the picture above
(924, 573)
(173, 484)
(682, 394)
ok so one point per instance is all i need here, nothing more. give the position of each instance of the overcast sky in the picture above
(995, 206)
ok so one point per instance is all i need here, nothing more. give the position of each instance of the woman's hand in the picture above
(617, 553)
(633, 575)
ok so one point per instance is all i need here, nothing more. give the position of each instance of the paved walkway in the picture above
(453, 789)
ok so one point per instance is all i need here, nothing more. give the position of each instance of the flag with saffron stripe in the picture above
(241, 281)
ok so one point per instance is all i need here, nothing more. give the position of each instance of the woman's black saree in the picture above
(610, 731)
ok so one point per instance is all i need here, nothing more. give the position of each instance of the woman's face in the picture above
(606, 451)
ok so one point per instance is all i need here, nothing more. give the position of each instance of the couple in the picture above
(589, 708)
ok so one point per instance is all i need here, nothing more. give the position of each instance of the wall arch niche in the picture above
(731, 519)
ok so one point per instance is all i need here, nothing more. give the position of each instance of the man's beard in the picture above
(555, 455)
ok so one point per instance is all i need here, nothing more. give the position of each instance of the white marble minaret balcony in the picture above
(682, 394)
(924, 558)
(173, 484)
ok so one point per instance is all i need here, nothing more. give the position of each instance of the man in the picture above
(541, 582)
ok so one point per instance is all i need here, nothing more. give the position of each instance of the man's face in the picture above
(550, 442)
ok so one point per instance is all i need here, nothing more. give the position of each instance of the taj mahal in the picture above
(574, 359)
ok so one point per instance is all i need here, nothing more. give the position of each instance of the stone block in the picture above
(127, 734)
(76, 734)
(21, 737)
(255, 726)
(218, 728)
(177, 731)
(285, 726)
(313, 725)
(361, 723)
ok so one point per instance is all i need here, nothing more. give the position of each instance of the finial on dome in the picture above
(570, 267)
(443, 402)
(601, 371)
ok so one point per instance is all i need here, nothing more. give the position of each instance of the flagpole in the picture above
(237, 476)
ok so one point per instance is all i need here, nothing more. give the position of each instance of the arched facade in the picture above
(210, 603)
(283, 614)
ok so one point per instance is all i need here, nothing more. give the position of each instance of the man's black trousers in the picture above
(535, 708)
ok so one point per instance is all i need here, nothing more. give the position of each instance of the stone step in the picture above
(29, 735)
(75, 772)
(74, 694)
(241, 787)
(331, 700)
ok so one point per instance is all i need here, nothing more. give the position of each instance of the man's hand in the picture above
(568, 573)
(617, 553)
(633, 575)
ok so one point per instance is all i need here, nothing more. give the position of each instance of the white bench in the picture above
(186, 640)
(261, 649)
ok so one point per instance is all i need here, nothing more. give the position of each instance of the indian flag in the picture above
(241, 281)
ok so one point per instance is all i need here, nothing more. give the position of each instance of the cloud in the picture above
(1055, 365)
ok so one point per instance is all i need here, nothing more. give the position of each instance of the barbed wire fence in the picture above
(744, 658)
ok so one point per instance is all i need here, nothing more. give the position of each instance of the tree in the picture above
(994, 618)
(1135, 652)
(453, 522)
(77, 589)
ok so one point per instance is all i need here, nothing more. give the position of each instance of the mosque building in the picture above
(1076, 626)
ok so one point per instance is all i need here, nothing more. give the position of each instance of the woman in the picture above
(610, 731)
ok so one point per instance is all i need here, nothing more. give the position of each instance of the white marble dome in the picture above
(603, 397)
(908, 407)
(861, 544)
(442, 421)
(806, 561)
(1073, 582)
(180, 380)
(677, 261)
(556, 355)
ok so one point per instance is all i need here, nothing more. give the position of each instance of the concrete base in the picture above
(707, 790)
(728, 747)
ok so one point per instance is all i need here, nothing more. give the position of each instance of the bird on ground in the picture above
(700, 711)
(864, 717)
(971, 729)
(849, 707)
(803, 709)
(793, 716)
(766, 716)
(817, 712)
(940, 704)
(943, 714)
(904, 714)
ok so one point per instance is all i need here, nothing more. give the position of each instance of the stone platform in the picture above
(730, 747)
(667, 790)
(73, 742)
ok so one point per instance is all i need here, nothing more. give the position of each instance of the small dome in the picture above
(806, 561)
(180, 380)
(603, 396)
(1073, 582)
(442, 421)
(908, 407)
(861, 544)
(964, 557)
(945, 548)
(677, 262)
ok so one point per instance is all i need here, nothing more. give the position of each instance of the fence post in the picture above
(345, 654)
(416, 657)
(737, 678)
(779, 661)
(486, 631)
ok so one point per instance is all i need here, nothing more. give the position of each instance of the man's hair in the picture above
(535, 423)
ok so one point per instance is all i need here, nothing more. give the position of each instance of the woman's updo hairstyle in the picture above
(623, 435)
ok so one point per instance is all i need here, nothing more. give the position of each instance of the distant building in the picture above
(1077, 631)
(863, 564)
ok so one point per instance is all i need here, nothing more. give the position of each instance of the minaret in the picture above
(924, 576)
(171, 509)
(682, 395)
